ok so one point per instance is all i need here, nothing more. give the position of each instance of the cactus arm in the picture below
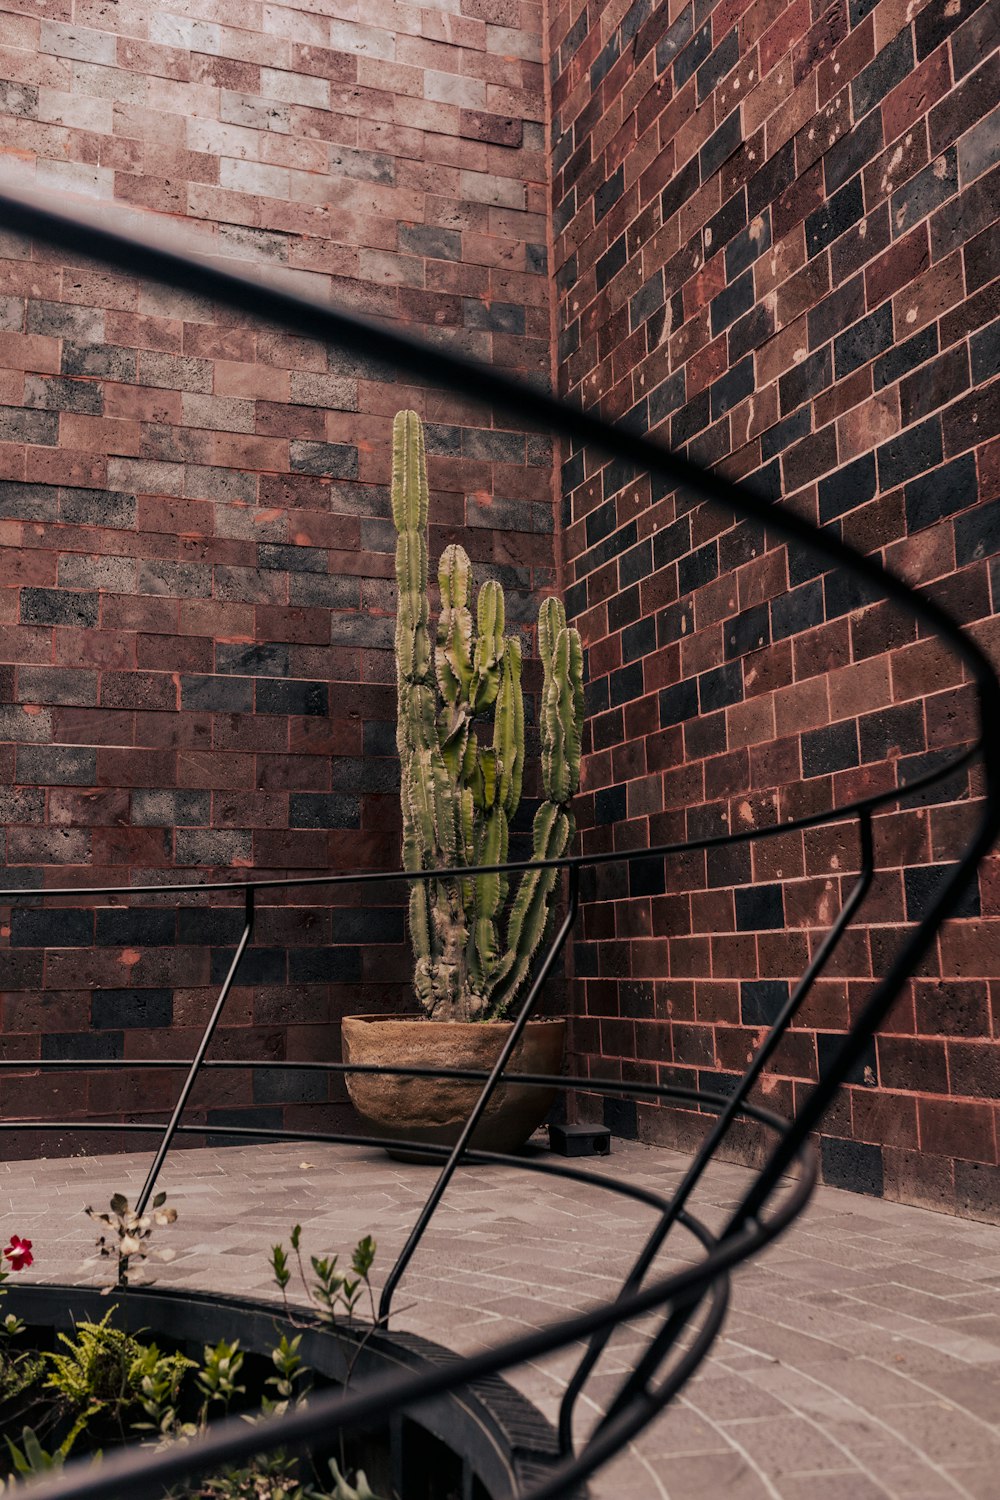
(489, 647)
(508, 727)
(454, 652)
(561, 720)
(529, 916)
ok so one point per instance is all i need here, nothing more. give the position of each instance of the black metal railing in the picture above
(689, 1303)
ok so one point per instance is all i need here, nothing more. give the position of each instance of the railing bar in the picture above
(565, 862)
(197, 1060)
(720, 1128)
(514, 1036)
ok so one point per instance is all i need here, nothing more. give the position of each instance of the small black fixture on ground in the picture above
(580, 1140)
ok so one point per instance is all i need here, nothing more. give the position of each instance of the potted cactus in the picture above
(460, 735)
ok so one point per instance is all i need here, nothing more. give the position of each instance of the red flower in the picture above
(18, 1252)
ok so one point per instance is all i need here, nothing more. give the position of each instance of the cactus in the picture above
(458, 793)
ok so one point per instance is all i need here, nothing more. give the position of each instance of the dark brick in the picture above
(430, 241)
(722, 144)
(59, 607)
(101, 359)
(851, 485)
(646, 877)
(941, 492)
(977, 534)
(732, 303)
(748, 245)
(678, 702)
(985, 351)
(724, 225)
(923, 883)
(832, 748)
(611, 262)
(257, 966)
(854, 1165)
(891, 66)
(698, 568)
(690, 57)
(861, 343)
(56, 765)
(718, 688)
(834, 217)
(625, 684)
(111, 1009)
(309, 699)
(337, 460)
(341, 965)
(853, 151)
(911, 453)
(52, 928)
(759, 907)
(639, 640)
(289, 1086)
(892, 732)
(679, 189)
(718, 64)
(751, 332)
(217, 694)
(924, 193)
(621, 1116)
(905, 357)
(132, 927)
(747, 632)
(608, 193)
(936, 22)
(733, 387)
(798, 610)
(843, 306)
(610, 805)
(863, 1072)
(762, 1001)
(805, 380)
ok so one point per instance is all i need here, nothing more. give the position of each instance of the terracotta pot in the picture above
(435, 1109)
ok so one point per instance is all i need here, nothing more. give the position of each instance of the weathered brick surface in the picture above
(196, 593)
(776, 250)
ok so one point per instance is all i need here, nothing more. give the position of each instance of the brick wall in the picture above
(775, 249)
(196, 596)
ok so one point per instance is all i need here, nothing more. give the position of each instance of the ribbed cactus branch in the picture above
(457, 794)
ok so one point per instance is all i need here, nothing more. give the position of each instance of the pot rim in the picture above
(430, 1021)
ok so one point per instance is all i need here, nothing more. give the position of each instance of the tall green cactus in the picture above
(458, 795)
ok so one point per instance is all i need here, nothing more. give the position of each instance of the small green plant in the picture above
(109, 1385)
(104, 1373)
(458, 795)
(331, 1291)
(126, 1235)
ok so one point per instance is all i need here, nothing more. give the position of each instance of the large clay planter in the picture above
(433, 1110)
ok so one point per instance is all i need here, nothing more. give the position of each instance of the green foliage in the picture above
(217, 1378)
(111, 1381)
(458, 794)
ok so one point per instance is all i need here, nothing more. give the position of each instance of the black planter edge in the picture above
(491, 1425)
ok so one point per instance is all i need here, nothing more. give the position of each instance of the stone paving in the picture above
(860, 1357)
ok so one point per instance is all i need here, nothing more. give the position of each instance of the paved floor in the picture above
(860, 1358)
